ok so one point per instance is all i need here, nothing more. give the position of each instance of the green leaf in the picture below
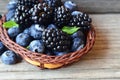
(28, 47)
(10, 24)
(70, 30)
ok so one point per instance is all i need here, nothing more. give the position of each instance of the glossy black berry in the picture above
(41, 14)
(81, 20)
(61, 16)
(28, 3)
(22, 16)
(56, 40)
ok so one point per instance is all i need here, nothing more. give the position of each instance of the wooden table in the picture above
(102, 62)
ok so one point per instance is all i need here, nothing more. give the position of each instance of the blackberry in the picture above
(28, 3)
(56, 40)
(61, 16)
(81, 20)
(53, 3)
(41, 14)
(22, 16)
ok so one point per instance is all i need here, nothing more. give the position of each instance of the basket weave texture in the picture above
(42, 58)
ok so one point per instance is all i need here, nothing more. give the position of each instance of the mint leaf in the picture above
(70, 30)
(28, 47)
(10, 24)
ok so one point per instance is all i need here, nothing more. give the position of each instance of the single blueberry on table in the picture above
(9, 57)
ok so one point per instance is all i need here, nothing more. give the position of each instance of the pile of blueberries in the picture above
(30, 38)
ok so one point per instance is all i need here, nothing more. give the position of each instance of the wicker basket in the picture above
(42, 60)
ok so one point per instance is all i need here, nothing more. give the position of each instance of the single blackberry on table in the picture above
(22, 16)
(61, 16)
(56, 40)
(41, 14)
(28, 3)
(81, 20)
(53, 3)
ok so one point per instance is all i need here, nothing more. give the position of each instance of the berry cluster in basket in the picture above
(49, 27)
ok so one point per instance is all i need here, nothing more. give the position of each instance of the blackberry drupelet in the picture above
(81, 20)
(53, 3)
(56, 40)
(22, 16)
(28, 3)
(41, 14)
(62, 16)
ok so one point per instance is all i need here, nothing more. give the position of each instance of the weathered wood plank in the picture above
(3, 4)
(82, 74)
(99, 6)
(91, 6)
(102, 63)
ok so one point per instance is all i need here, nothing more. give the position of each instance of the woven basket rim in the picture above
(43, 58)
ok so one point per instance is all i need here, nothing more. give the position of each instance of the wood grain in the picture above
(3, 4)
(90, 6)
(103, 62)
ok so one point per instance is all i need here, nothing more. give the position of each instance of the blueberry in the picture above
(51, 26)
(10, 14)
(81, 46)
(74, 13)
(9, 57)
(35, 33)
(27, 31)
(37, 46)
(78, 43)
(60, 53)
(13, 32)
(2, 48)
(39, 27)
(78, 34)
(12, 5)
(70, 5)
(23, 39)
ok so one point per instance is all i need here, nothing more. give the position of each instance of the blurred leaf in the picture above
(70, 30)
(28, 47)
(10, 24)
